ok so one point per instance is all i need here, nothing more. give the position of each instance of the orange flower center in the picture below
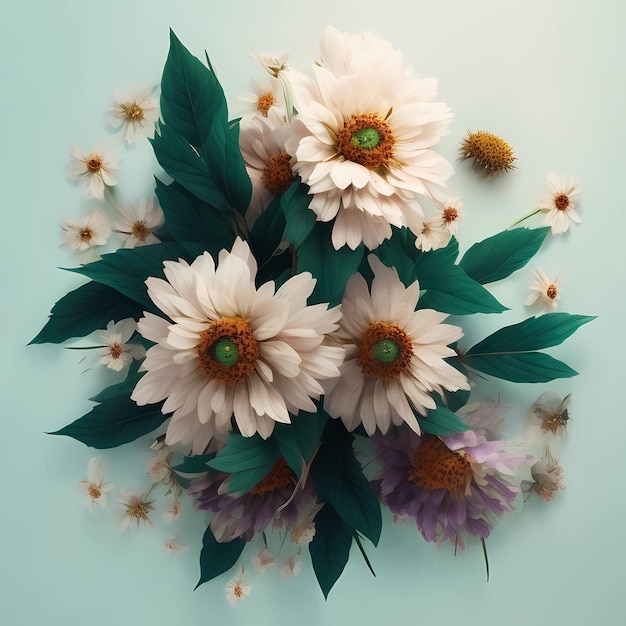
(140, 230)
(86, 235)
(450, 214)
(552, 291)
(94, 491)
(94, 163)
(265, 102)
(277, 175)
(133, 112)
(281, 475)
(555, 422)
(367, 140)
(115, 351)
(228, 350)
(435, 466)
(385, 351)
(561, 202)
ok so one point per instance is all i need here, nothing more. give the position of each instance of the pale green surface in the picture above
(547, 76)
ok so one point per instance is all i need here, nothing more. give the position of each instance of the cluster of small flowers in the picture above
(137, 114)
(137, 507)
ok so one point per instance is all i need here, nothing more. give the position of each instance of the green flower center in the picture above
(367, 138)
(225, 352)
(386, 351)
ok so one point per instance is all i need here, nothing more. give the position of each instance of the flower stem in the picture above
(525, 217)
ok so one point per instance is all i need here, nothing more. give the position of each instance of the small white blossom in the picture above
(237, 589)
(172, 544)
(291, 567)
(558, 203)
(136, 508)
(94, 488)
(94, 169)
(118, 352)
(544, 290)
(173, 511)
(136, 225)
(87, 231)
(136, 112)
(434, 235)
(264, 560)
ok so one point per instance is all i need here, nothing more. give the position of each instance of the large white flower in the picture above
(233, 350)
(396, 358)
(363, 137)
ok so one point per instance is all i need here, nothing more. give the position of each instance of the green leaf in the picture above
(442, 421)
(434, 260)
(534, 333)
(499, 256)
(196, 464)
(525, 367)
(339, 480)
(217, 558)
(288, 447)
(191, 96)
(331, 267)
(400, 253)
(307, 429)
(267, 231)
(185, 165)
(330, 548)
(450, 290)
(245, 453)
(190, 219)
(116, 421)
(81, 311)
(127, 269)
(299, 218)
(125, 388)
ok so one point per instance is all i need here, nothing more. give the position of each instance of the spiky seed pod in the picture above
(490, 153)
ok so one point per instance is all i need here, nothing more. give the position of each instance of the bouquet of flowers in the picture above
(278, 315)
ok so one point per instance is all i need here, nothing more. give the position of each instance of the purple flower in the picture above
(244, 515)
(454, 487)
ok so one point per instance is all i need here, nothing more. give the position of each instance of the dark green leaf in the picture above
(116, 421)
(299, 218)
(83, 310)
(196, 464)
(267, 231)
(307, 428)
(245, 453)
(442, 421)
(288, 447)
(242, 482)
(217, 558)
(499, 256)
(331, 267)
(451, 290)
(524, 367)
(125, 388)
(186, 166)
(330, 548)
(190, 219)
(534, 333)
(339, 480)
(191, 96)
(127, 269)
(435, 260)
(400, 253)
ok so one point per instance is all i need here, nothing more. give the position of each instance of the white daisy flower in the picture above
(135, 112)
(229, 349)
(262, 143)
(92, 229)
(136, 225)
(544, 290)
(118, 352)
(95, 169)
(363, 137)
(94, 488)
(237, 589)
(396, 361)
(433, 235)
(451, 212)
(263, 99)
(559, 202)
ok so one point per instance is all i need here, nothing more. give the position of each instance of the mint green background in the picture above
(546, 75)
